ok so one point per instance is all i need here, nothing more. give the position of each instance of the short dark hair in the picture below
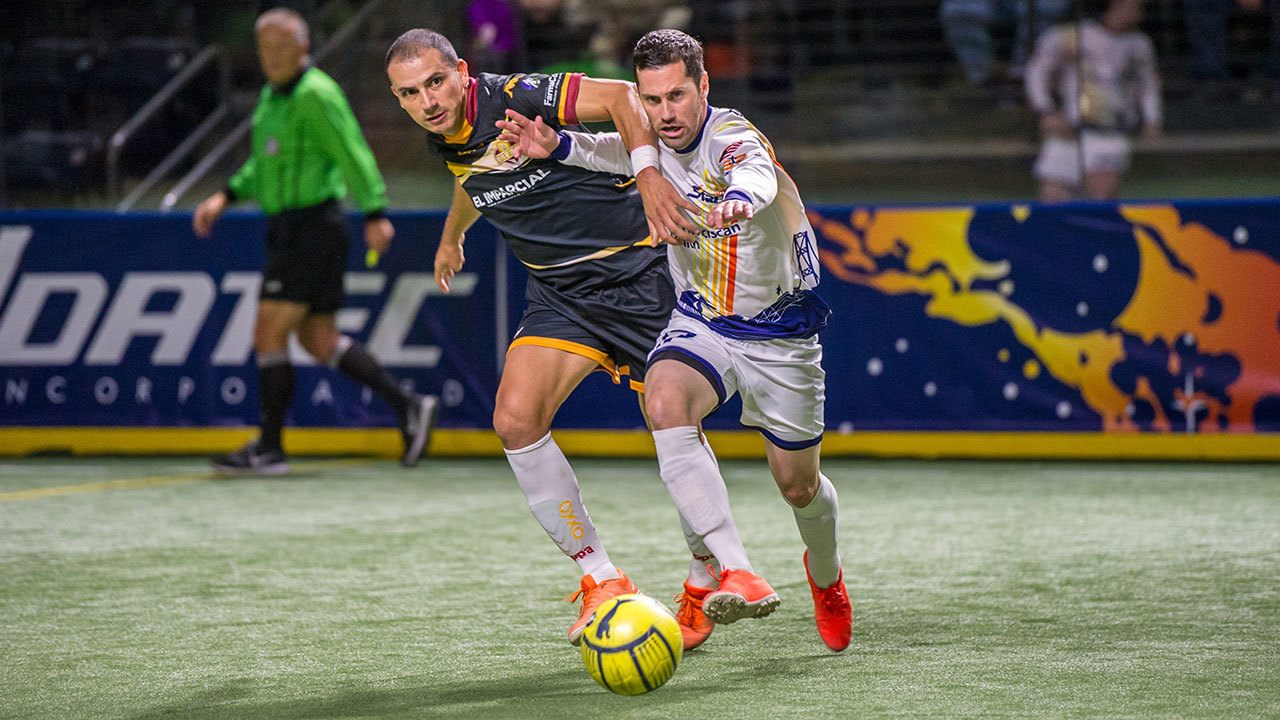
(418, 40)
(663, 47)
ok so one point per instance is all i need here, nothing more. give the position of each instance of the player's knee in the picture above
(667, 409)
(319, 345)
(268, 339)
(518, 427)
(798, 491)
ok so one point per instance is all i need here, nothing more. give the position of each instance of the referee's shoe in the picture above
(252, 459)
(416, 424)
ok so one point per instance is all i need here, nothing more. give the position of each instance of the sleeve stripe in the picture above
(568, 110)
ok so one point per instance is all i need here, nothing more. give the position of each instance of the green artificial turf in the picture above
(357, 589)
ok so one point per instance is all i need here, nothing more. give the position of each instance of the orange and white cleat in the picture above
(592, 594)
(832, 610)
(742, 594)
(695, 627)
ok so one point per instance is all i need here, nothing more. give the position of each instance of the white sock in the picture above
(698, 490)
(552, 490)
(703, 565)
(699, 573)
(817, 522)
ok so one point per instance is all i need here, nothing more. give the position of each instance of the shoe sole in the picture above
(428, 406)
(724, 608)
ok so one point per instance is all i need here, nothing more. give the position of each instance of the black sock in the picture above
(356, 362)
(275, 388)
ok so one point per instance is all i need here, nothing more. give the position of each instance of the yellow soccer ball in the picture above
(631, 645)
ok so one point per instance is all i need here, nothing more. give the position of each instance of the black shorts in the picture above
(616, 325)
(307, 257)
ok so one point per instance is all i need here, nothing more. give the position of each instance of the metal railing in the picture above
(207, 163)
(211, 54)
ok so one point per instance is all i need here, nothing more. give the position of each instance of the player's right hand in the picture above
(449, 260)
(207, 213)
(528, 138)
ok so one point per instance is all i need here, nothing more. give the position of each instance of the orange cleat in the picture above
(742, 594)
(592, 595)
(695, 628)
(831, 610)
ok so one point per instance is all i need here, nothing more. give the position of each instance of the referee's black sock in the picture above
(275, 388)
(353, 359)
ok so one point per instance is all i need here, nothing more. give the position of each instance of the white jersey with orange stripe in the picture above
(753, 279)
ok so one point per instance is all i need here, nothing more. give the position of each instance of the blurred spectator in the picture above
(592, 36)
(968, 25)
(494, 37)
(620, 23)
(1091, 84)
(719, 25)
(1206, 22)
(553, 35)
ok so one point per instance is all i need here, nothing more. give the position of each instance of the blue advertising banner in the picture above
(1154, 318)
(130, 320)
(1122, 320)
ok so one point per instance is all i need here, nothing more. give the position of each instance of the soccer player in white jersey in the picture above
(746, 322)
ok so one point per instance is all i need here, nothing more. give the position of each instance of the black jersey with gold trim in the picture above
(574, 229)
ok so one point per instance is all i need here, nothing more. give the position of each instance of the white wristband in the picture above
(645, 156)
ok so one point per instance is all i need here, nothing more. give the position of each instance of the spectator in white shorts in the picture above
(1088, 101)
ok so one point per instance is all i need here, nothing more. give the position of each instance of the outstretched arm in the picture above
(667, 210)
(449, 258)
(602, 152)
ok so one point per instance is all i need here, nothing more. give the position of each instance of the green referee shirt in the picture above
(306, 142)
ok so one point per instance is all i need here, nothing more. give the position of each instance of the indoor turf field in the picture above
(144, 588)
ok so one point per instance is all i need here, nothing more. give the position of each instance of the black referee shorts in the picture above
(616, 326)
(307, 257)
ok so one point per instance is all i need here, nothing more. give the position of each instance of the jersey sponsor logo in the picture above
(724, 232)
(529, 83)
(553, 87)
(710, 195)
(576, 528)
(511, 84)
(489, 198)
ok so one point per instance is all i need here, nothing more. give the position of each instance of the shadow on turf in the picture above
(452, 698)
(306, 474)
(455, 698)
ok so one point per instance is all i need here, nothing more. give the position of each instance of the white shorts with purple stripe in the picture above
(781, 381)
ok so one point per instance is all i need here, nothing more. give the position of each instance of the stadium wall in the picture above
(1144, 331)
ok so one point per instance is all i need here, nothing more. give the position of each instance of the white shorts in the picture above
(1059, 159)
(782, 383)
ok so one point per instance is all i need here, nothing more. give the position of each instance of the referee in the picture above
(306, 142)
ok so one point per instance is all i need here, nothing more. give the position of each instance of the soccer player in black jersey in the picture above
(599, 291)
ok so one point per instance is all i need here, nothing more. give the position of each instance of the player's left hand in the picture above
(728, 213)
(663, 204)
(378, 233)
